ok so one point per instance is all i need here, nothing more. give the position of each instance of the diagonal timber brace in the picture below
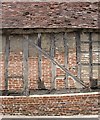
(56, 63)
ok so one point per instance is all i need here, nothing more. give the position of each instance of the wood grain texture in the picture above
(25, 66)
(7, 52)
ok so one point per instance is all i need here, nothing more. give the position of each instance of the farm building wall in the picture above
(80, 56)
(15, 60)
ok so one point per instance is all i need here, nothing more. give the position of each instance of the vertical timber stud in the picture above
(53, 66)
(39, 58)
(90, 61)
(66, 57)
(40, 82)
(7, 52)
(78, 55)
(25, 65)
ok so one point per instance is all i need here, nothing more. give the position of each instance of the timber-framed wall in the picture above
(50, 48)
(49, 59)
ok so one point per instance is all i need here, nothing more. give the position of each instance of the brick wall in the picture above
(15, 61)
(51, 105)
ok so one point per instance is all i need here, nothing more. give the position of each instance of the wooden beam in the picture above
(40, 82)
(56, 63)
(13, 93)
(78, 54)
(1, 60)
(15, 76)
(90, 61)
(98, 60)
(16, 31)
(25, 66)
(87, 64)
(39, 58)
(53, 66)
(92, 41)
(66, 57)
(7, 52)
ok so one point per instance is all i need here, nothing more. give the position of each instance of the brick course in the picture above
(52, 105)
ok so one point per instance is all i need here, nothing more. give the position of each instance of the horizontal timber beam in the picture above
(15, 76)
(20, 31)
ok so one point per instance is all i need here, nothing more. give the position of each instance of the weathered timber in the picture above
(78, 53)
(53, 66)
(84, 51)
(7, 52)
(90, 62)
(56, 63)
(11, 92)
(89, 41)
(15, 93)
(99, 63)
(25, 66)
(96, 51)
(66, 57)
(87, 64)
(15, 76)
(39, 58)
(40, 82)
(26, 31)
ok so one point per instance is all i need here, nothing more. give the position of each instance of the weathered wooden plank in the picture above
(85, 42)
(66, 57)
(87, 64)
(78, 54)
(14, 93)
(53, 66)
(90, 61)
(89, 41)
(10, 93)
(56, 63)
(40, 82)
(15, 76)
(39, 58)
(48, 30)
(96, 51)
(25, 66)
(7, 52)
(0, 59)
(92, 51)
(85, 52)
